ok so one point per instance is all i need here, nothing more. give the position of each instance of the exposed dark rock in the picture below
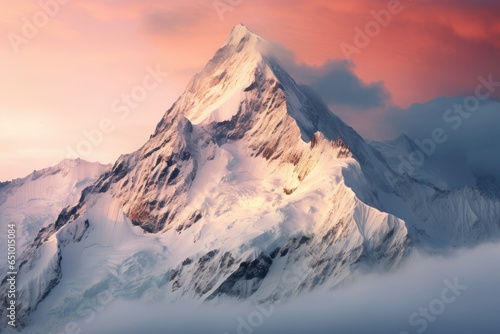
(164, 173)
(207, 257)
(251, 271)
(216, 80)
(65, 215)
(185, 155)
(241, 44)
(158, 161)
(227, 260)
(173, 274)
(173, 176)
(252, 86)
(303, 240)
(148, 154)
(274, 253)
(284, 252)
(86, 225)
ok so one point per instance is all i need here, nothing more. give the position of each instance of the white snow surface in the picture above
(36, 200)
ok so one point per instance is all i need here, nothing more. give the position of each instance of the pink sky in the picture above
(65, 77)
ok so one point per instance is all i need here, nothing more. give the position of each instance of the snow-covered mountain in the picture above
(250, 188)
(36, 200)
(397, 154)
(438, 214)
(406, 157)
(466, 153)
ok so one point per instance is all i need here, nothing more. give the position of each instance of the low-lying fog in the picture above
(459, 293)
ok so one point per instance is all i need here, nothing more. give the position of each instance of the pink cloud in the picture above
(93, 50)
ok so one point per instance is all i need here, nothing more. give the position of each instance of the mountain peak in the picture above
(231, 70)
(240, 32)
(240, 70)
(243, 40)
(240, 28)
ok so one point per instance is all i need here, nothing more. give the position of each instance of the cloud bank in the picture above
(457, 293)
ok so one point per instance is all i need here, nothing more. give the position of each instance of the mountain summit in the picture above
(250, 188)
